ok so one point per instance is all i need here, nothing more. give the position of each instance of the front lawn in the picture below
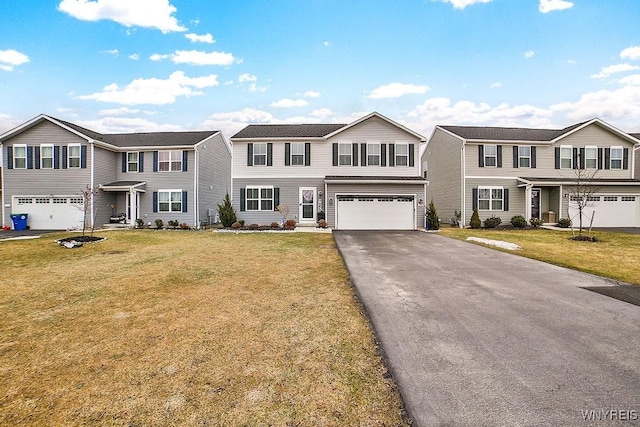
(615, 255)
(186, 328)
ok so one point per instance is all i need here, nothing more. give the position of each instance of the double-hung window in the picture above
(373, 154)
(259, 154)
(132, 161)
(170, 201)
(73, 156)
(297, 154)
(566, 157)
(168, 161)
(616, 157)
(490, 155)
(259, 198)
(20, 156)
(590, 157)
(402, 154)
(524, 156)
(344, 154)
(490, 198)
(46, 156)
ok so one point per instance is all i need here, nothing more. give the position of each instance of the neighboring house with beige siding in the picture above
(47, 163)
(363, 175)
(531, 172)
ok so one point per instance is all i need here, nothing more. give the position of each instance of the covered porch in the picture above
(127, 206)
(542, 199)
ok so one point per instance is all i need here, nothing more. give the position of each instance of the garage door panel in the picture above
(608, 211)
(50, 212)
(375, 213)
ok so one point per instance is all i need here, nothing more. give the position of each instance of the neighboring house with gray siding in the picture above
(363, 175)
(47, 163)
(533, 172)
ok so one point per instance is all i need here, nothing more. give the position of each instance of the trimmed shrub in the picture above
(236, 225)
(226, 212)
(242, 222)
(275, 225)
(140, 223)
(322, 223)
(184, 226)
(535, 222)
(518, 221)
(475, 219)
(433, 222)
(159, 223)
(492, 222)
(564, 223)
(253, 226)
(290, 224)
(173, 223)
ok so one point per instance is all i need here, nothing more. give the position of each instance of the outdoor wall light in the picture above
(331, 201)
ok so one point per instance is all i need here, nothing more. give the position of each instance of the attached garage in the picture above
(375, 212)
(50, 212)
(609, 210)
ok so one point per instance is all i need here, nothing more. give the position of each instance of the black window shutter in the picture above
(36, 157)
(64, 157)
(184, 201)
(30, 157)
(243, 198)
(363, 154)
(307, 154)
(474, 198)
(600, 158)
(557, 157)
(56, 157)
(335, 154)
(287, 154)
(533, 157)
(249, 154)
(607, 158)
(141, 161)
(515, 157)
(575, 158)
(155, 201)
(354, 154)
(412, 160)
(83, 157)
(499, 156)
(383, 154)
(392, 155)
(625, 158)
(505, 200)
(276, 198)
(185, 160)
(9, 157)
(270, 154)
(155, 161)
(124, 162)
(582, 153)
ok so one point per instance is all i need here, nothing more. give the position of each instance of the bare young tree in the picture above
(581, 196)
(88, 196)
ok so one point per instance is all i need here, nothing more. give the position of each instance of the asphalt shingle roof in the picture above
(508, 134)
(287, 131)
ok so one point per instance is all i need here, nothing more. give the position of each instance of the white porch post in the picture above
(527, 201)
(133, 206)
(560, 205)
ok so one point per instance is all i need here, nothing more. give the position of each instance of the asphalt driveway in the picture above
(474, 336)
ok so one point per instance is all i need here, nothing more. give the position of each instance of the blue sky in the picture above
(148, 65)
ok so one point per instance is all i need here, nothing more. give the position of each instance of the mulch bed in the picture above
(81, 239)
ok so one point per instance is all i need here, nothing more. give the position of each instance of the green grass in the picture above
(615, 255)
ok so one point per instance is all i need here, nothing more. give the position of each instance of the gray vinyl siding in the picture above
(444, 173)
(516, 199)
(415, 190)
(289, 195)
(214, 176)
(104, 172)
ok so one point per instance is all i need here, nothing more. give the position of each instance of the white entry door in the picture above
(307, 211)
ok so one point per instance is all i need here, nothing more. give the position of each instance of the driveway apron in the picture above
(478, 337)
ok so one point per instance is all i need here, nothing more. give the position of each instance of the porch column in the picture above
(133, 206)
(527, 201)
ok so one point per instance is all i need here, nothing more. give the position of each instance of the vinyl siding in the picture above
(214, 180)
(104, 172)
(516, 199)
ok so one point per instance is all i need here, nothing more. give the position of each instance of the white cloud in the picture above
(321, 113)
(529, 54)
(461, 4)
(154, 91)
(496, 85)
(311, 94)
(253, 82)
(11, 58)
(127, 125)
(156, 14)
(134, 56)
(113, 52)
(615, 69)
(7, 123)
(632, 53)
(547, 6)
(118, 111)
(326, 43)
(289, 103)
(231, 122)
(200, 38)
(396, 90)
(196, 57)
(622, 104)
(632, 80)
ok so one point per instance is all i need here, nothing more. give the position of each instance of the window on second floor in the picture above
(590, 157)
(566, 157)
(490, 155)
(402, 154)
(524, 156)
(297, 154)
(169, 161)
(73, 156)
(344, 154)
(20, 156)
(260, 154)
(132, 161)
(616, 157)
(46, 156)
(373, 154)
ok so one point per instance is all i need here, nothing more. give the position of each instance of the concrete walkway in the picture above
(477, 337)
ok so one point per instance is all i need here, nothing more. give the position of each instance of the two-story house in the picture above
(363, 175)
(533, 172)
(48, 162)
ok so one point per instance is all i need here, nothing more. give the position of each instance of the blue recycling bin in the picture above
(19, 221)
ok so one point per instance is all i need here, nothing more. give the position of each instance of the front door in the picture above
(307, 204)
(535, 203)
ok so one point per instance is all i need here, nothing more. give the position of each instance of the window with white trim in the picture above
(344, 154)
(260, 154)
(73, 156)
(259, 198)
(373, 154)
(616, 157)
(627, 199)
(590, 157)
(490, 155)
(297, 154)
(566, 157)
(169, 161)
(490, 198)
(20, 156)
(524, 156)
(46, 156)
(169, 200)
(402, 154)
(132, 161)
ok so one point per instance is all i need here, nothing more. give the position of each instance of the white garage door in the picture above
(609, 211)
(50, 212)
(388, 212)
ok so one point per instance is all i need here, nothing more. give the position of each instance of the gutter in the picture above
(2, 181)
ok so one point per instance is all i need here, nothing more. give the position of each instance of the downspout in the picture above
(560, 205)
(326, 205)
(463, 184)
(2, 180)
(196, 213)
(93, 159)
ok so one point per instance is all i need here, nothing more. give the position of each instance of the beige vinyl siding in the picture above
(214, 171)
(516, 199)
(444, 173)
